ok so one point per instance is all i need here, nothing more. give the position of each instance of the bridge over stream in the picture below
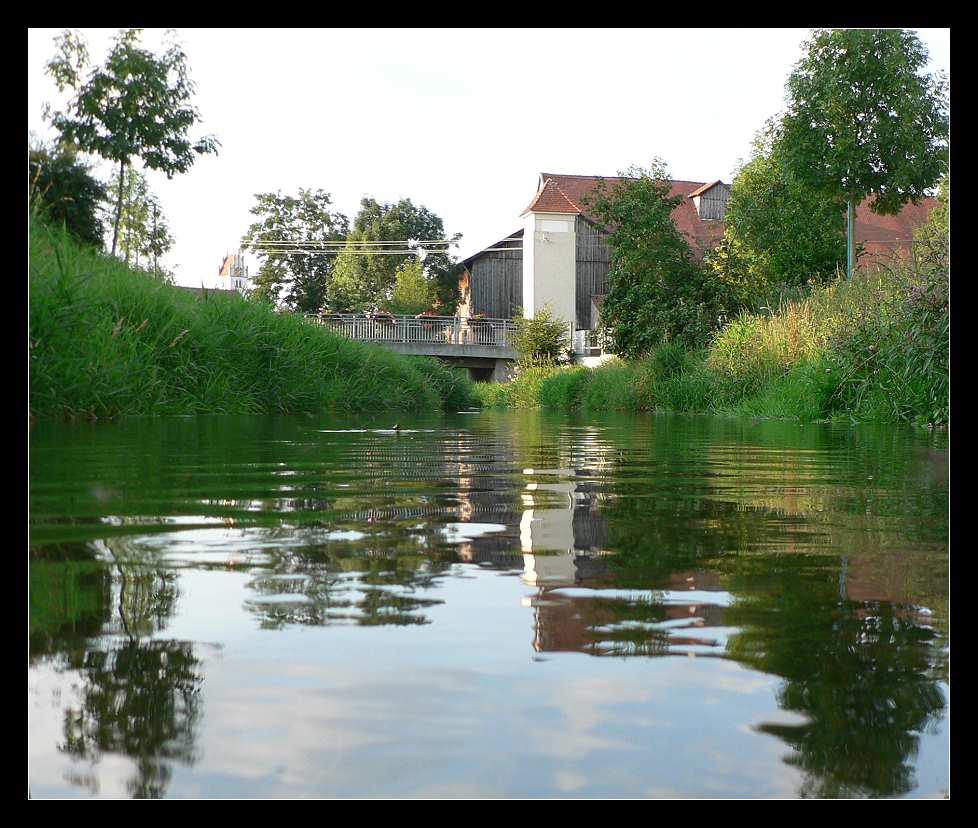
(484, 346)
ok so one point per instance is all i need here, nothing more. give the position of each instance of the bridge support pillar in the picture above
(503, 370)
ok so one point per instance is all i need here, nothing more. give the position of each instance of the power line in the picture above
(348, 242)
(341, 252)
(295, 252)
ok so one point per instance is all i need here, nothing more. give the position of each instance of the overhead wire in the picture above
(321, 252)
(336, 247)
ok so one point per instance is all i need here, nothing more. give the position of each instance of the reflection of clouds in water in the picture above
(582, 719)
(569, 781)
(457, 790)
(578, 711)
(330, 731)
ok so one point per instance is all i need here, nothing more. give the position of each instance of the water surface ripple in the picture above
(490, 604)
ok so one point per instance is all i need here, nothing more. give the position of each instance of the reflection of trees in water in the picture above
(70, 598)
(863, 673)
(860, 672)
(138, 698)
(313, 587)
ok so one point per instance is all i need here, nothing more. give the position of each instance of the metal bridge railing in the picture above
(444, 330)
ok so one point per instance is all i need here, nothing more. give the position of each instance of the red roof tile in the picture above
(566, 193)
(704, 188)
(552, 199)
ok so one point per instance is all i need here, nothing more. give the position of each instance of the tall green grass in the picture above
(107, 340)
(873, 349)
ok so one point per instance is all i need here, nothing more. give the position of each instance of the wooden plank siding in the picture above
(496, 283)
(712, 205)
(593, 264)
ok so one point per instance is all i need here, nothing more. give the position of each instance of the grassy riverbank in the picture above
(107, 340)
(874, 349)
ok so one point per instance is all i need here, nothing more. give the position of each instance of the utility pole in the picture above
(849, 246)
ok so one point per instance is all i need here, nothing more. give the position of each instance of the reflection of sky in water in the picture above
(382, 711)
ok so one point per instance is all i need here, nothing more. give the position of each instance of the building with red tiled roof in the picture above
(560, 255)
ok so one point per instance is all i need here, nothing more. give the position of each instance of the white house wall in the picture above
(549, 262)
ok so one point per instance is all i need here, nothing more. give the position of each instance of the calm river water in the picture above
(494, 604)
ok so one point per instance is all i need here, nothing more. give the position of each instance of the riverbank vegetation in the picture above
(109, 340)
(873, 349)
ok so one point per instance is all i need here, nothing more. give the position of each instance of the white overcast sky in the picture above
(461, 121)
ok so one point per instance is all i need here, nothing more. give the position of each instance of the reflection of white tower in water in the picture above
(549, 535)
(547, 526)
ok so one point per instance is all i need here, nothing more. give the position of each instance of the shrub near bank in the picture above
(107, 340)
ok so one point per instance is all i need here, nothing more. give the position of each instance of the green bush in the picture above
(805, 392)
(542, 340)
(697, 388)
(491, 394)
(62, 191)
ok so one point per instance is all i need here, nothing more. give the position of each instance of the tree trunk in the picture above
(118, 208)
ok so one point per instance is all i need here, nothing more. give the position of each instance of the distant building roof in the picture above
(571, 190)
(704, 188)
(557, 193)
(511, 240)
(550, 198)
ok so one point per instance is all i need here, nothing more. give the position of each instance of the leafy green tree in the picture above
(143, 230)
(303, 280)
(414, 292)
(779, 232)
(862, 119)
(932, 240)
(656, 291)
(135, 106)
(364, 281)
(360, 280)
(64, 191)
(158, 239)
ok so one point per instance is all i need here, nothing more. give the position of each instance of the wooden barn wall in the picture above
(593, 264)
(713, 203)
(497, 284)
